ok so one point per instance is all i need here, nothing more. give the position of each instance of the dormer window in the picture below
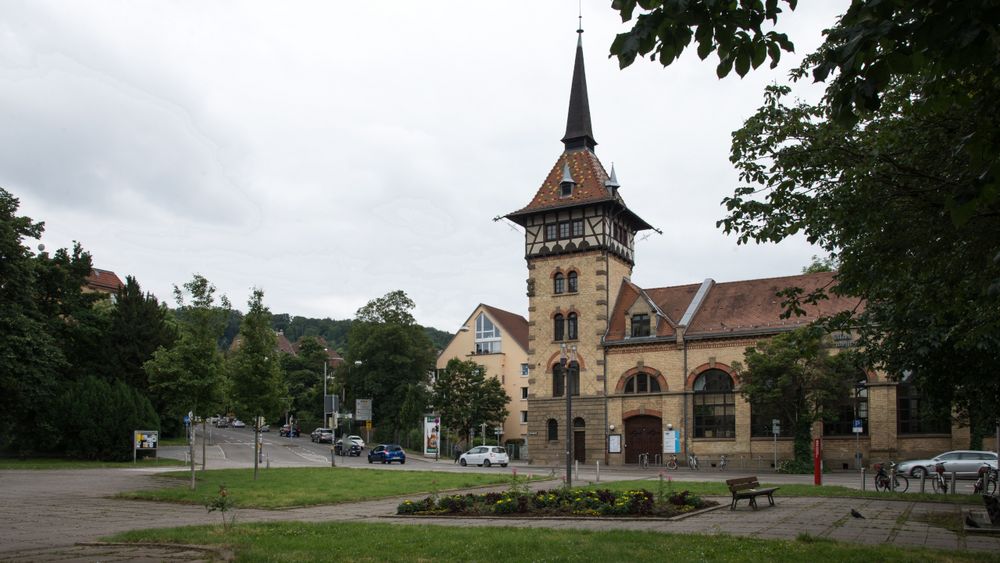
(567, 183)
(640, 325)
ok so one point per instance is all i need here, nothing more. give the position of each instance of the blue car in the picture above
(387, 453)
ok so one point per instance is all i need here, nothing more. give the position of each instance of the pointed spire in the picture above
(612, 182)
(579, 133)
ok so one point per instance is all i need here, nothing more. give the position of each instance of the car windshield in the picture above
(500, 450)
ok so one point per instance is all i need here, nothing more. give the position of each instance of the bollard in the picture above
(268, 466)
(576, 469)
(892, 479)
(952, 482)
(864, 483)
(598, 471)
(923, 480)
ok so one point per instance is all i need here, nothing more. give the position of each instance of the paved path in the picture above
(47, 514)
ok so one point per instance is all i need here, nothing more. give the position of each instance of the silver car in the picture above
(965, 463)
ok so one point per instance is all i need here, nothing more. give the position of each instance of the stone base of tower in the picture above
(587, 427)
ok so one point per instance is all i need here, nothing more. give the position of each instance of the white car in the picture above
(485, 456)
(238, 424)
(357, 440)
(965, 463)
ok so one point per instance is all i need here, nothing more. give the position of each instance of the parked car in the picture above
(290, 431)
(485, 456)
(321, 435)
(239, 424)
(965, 463)
(353, 450)
(265, 428)
(222, 423)
(386, 453)
(357, 440)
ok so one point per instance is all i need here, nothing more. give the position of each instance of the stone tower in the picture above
(579, 245)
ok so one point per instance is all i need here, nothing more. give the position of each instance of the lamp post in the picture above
(858, 388)
(565, 365)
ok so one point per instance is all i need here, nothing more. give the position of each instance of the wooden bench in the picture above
(749, 488)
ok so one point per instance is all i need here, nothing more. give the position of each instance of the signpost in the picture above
(858, 429)
(775, 429)
(363, 411)
(144, 440)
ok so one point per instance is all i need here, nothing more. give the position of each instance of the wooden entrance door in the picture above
(643, 434)
(580, 446)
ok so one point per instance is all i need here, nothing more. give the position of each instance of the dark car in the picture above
(290, 431)
(354, 450)
(387, 453)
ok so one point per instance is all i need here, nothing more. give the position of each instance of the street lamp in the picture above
(563, 361)
(858, 388)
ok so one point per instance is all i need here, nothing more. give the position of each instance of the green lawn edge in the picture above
(338, 541)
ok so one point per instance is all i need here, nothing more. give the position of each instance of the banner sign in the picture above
(146, 439)
(362, 409)
(671, 441)
(431, 435)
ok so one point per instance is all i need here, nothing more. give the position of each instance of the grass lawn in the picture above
(350, 541)
(704, 488)
(287, 487)
(51, 463)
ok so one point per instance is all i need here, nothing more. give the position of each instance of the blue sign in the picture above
(187, 420)
(858, 427)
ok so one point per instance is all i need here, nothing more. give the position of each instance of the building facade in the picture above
(497, 340)
(638, 362)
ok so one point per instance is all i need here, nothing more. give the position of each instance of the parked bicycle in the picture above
(986, 484)
(883, 481)
(672, 462)
(693, 461)
(644, 460)
(938, 480)
(722, 462)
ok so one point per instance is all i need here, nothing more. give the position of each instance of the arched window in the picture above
(558, 327)
(578, 422)
(571, 327)
(559, 283)
(552, 430)
(641, 383)
(572, 283)
(850, 407)
(714, 405)
(557, 381)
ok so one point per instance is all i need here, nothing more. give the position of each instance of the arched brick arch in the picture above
(554, 359)
(641, 412)
(557, 270)
(654, 372)
(689, 384)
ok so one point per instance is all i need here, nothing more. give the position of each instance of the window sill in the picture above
(565, 293)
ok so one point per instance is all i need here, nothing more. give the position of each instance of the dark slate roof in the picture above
(579, 132)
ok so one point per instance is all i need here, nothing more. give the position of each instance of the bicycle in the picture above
(693, 462)
(898, 483)
(986, 484)
(938, 480)
(644, 461)
(722, 462)
(672, 462)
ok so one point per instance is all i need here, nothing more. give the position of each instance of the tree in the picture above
(946, 43)
(31, 361)
(828, 264)
(466, 397)
(303, 380)
(255, 369)
(795, 375)
(188, 376)
(393, 352)
(98, 418)
(138, 327)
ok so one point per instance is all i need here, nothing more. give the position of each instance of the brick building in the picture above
(638, 361)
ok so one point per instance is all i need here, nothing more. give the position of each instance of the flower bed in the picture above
(558, 502)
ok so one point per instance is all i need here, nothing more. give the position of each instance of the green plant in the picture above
(223, 503)
(519, 486)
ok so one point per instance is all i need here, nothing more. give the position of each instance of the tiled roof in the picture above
(515, 325)
(104, 280)
(732, 308)
(587, 172)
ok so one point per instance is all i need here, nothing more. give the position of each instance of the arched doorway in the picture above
(643, 434)
(579, 440)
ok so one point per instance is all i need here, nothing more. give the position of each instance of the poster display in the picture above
(671, 441)
(431, 435)
(615, 444)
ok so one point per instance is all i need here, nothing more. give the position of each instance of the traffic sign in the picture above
(858, 426)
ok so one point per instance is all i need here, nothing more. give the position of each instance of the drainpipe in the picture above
(604, 348)
(684, 395)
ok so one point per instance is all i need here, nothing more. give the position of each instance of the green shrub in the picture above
(99, 419)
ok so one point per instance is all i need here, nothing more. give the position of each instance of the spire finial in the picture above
(579, 133)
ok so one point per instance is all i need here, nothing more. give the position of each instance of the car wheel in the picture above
(918, 472)
(369, 460)
(503, 465)
(462, 462)
(487, 463)
(402, 461)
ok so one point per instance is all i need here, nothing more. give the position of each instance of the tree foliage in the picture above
(138, 327)
(254, 367)
(795, 374)
(98, 418)
(394, 353)
(465, 396)
(189, 375)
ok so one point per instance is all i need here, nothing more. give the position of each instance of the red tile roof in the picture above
(104, 281)
(731, 308)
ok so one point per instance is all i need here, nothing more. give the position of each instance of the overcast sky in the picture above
(331, 152)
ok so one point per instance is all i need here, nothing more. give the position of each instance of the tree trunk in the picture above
(190, 429)
(204, 441)
(256, 446)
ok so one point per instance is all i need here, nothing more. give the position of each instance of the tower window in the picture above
(571, 280)
(571, 332)
(564, 229)
(578, 227)
(558, 325)
(551, 232)
(559, 283)
(566, 189)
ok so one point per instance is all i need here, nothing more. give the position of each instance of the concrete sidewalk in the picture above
(48, 513)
